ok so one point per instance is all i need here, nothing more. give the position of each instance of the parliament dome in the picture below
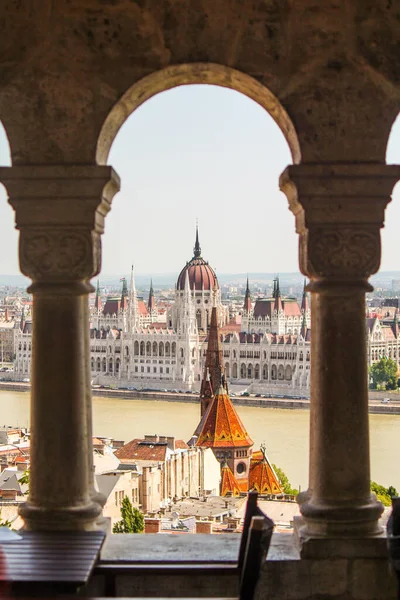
(201, 275)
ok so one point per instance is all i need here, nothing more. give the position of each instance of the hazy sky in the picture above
(208, 153)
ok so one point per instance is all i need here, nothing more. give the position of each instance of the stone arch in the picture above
(136, 349)
(281, 372)
(98, 364)
(257, 371)
(250, 371)
(243, 371)
(194, 73)
(142, 348)
(227, 370)
(198, 318)
(155, 349)
(167, 349)
(92, 364)
(234, 371)
(148, 348)
(274, 373)
(288, 373)
(265, 372)
(117, 366)
(161, 349)
(104, 365)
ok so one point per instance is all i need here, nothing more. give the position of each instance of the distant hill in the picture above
(167, 280)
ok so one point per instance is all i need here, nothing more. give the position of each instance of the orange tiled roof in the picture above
(262, 477)
(139, 450)
(229, 485)
(181, 445)
(222, 427)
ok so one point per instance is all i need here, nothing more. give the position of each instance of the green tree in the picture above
(384, 372)
(132, 519)
(383, 494)
(5, 523)
(25, 480)
(284, 481)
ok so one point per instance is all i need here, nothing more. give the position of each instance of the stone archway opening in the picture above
(187, 74)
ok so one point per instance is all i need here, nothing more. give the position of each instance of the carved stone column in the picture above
(60, 214)
(339, 210)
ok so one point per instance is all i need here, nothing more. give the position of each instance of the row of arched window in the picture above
(390, 353)
(250, 371)
(104, 365)
(25, 346)
(153, 349)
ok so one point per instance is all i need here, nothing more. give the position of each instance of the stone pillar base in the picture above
(79, 518)
(338, 546)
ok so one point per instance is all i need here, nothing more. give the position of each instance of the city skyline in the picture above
(218, 156)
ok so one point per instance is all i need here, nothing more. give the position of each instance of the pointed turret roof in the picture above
(151, 304)
(214, 365)
(97, 302)
(229, 485)
(278, 306)
(304, 300)
(124, 293)
(303, 330)
(222, 426)
(262, 477)
(247, 298)
(197, 249)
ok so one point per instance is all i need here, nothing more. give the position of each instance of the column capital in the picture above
(339, 210)
(60, 212)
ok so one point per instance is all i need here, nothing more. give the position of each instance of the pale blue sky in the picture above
(208, 153)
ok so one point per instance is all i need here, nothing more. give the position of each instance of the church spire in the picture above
(197, 249)
(124, 293)
(97, 302)
(151, 303)
(278, 302)
(132, 308)
(247, 298)
(213, 369)
(304, 300)
(303, 330)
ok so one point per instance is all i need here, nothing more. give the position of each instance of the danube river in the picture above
(284, 432)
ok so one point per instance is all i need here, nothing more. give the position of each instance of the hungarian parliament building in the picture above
(135, 344)
(266, 349)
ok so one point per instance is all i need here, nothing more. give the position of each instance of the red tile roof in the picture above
(142, 307)
(222, 427)
(229, 485)
(262, 477)
(181, 445)
(138, 449)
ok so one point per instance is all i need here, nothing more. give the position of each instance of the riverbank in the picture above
(376, 404)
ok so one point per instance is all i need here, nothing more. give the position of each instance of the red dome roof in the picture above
(201, 275)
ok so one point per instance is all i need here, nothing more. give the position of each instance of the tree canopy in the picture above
(383, 494)
(384, 372)
(284, 481)
(132, 519)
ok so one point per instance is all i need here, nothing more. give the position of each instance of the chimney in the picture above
(152, 525)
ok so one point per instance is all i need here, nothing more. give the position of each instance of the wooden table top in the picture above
(46, 557)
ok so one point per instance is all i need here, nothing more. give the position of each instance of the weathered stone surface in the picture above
(332, 66)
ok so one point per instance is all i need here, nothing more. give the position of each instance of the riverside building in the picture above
(327, 72)
(133, 344)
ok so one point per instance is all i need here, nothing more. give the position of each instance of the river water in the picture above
(284, 432)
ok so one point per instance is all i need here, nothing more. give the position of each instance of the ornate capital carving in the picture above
(60, 213)
(339, 210)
